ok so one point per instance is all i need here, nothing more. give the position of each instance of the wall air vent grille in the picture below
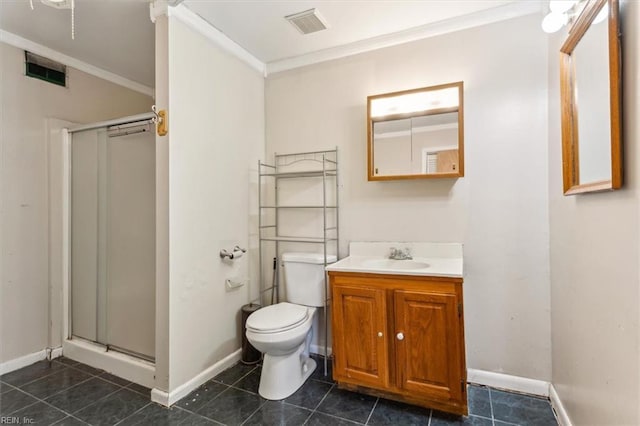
(45, 69)
(307, 22)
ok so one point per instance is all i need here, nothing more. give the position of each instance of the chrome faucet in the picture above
(399, 254)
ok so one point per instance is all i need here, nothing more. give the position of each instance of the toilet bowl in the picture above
(283, 333)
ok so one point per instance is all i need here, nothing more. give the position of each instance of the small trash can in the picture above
(250, 355)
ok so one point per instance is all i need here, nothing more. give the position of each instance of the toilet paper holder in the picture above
(234, 254)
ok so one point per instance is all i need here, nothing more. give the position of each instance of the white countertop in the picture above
(441, 259)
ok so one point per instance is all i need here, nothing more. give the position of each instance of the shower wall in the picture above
(113, 239)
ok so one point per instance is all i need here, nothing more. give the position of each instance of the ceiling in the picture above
(259, 26)
(115, 35)
(118, 36)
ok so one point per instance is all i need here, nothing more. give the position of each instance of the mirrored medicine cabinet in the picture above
(590, 89)
(416, 134)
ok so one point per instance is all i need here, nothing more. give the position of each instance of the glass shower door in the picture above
(113, 238)
(87, 264)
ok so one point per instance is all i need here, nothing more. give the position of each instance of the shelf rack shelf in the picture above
(302, 174)
(314, 164)
(298, 207)
(299, 239)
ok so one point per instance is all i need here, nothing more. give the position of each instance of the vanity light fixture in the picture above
(554, 22)
(562, 12)
(415, 102)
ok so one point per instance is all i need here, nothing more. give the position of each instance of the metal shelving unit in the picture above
(316, 164)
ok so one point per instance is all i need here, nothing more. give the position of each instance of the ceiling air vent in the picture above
(45, 69)
(308, 21)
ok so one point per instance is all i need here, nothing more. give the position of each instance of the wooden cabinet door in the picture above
(447, 161)
(360, 335)
(427, 344)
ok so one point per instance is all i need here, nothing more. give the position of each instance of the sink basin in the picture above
(429, 260)
(405, 265)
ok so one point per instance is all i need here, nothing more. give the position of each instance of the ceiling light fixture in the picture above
(62, 4)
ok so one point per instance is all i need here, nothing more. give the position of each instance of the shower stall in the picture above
(111, 246)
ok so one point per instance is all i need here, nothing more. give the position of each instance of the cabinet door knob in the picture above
(400, 336)
(379, 333)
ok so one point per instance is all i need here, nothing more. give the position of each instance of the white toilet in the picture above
(283, 331)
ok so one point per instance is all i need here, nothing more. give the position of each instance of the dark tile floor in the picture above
(65, 392)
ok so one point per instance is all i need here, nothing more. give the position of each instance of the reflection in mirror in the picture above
(435, 142)
(416, 133)
(590, 91)
(392, 147)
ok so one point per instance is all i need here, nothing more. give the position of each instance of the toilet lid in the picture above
(279, 317)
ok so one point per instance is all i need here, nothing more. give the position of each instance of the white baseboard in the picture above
(119, 364)
(56, 352)
(556, 403)
(508, 382)
(318, 349)
(169, 398)
(26, 360)
(23, 361)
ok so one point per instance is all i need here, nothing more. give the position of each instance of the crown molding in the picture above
(158, 8)
(38, 49)
(484, 17)
(199, 24)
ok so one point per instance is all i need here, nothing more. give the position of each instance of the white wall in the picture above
(216, 136)
(595, 272)
(499, 210)
(162, 208)
(25, 191)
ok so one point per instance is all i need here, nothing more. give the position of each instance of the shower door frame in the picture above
(95, 354)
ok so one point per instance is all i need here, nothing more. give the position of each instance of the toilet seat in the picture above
(276, 318)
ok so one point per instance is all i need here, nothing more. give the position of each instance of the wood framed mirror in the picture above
(416, 134)
(590, 89)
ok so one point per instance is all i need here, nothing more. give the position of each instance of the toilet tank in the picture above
(304, 277)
